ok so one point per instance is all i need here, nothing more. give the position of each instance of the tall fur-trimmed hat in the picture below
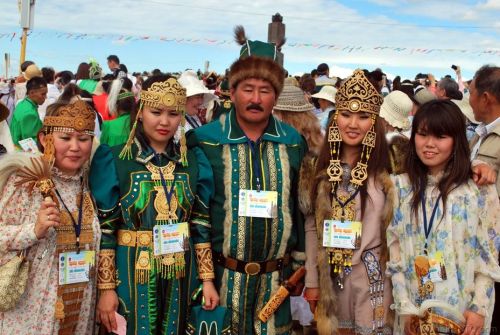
(257, 60)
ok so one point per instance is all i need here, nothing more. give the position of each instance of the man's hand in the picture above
(483, 174)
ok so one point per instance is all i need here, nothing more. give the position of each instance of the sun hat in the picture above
(32, 71)
(194, 86)
(466, 108)
(327, 92)
(292, 99)
(396, 108)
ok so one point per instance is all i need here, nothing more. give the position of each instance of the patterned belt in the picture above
(131, 238)
(436, 321)
(251, 268)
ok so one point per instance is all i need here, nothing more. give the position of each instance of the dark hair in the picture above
(69, 92)
(437, 118)
(307, 83)
(123, 68)
(106, 82)
(377, 163)
(83, 71)
(25, 64)
(113, 58)
(65, 77)
(322, 68)
(450, 87)
(48, 74)
(34, 83)
(487, 79)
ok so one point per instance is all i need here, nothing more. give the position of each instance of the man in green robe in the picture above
(25, 121)
(256, 230)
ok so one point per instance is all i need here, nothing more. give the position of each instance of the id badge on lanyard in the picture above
(170, 238)
(74, 267)
(344, 235)
(260, 204)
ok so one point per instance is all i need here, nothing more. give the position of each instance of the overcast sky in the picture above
(462, 31)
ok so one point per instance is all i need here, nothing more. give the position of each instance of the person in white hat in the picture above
(198, 96)
(394, 112)
(326, 100)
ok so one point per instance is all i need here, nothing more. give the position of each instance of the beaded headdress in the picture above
(167, 93)
(357, 94)
(77, 116)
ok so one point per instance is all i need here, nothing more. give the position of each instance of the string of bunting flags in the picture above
(335, 47)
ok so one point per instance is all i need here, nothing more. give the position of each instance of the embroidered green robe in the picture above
(124, 193)
(279, 156)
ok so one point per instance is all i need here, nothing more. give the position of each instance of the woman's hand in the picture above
(106, 308)
(474, 323)
(210, 295)
(312, 297)
(48, 216)
(409, 327)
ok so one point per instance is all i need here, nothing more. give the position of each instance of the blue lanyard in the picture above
(428, 224)
(170, 193)
(255, 162)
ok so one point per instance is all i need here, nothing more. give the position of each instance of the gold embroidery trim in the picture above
(106, 271)
(204, 261)
(130, 238)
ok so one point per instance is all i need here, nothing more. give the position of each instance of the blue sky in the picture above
(344, 34)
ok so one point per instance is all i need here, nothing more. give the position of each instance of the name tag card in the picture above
(344, 235)
(29, 145)
(170, 238)
(75, 268)
(263, 204)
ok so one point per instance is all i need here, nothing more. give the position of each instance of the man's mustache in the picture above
(256, 107)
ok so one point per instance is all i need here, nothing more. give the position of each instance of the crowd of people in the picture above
(173, 203)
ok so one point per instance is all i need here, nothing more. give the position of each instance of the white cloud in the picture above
(314, 21)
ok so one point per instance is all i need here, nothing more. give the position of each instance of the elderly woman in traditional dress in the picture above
(46, 212)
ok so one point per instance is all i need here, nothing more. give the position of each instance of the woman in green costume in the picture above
(150, 191)
(121, 102)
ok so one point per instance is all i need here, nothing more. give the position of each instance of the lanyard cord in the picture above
(428, 224)
(256, 165)
(344, 204)
(170, 193)
(76, 226)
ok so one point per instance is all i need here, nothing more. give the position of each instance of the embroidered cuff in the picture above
(106, 271)
(204, 260)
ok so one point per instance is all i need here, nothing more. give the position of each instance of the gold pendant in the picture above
(166, 211)
(334, 134)
(335, 171)
(369, 139)
(227, 104)
(359, 174)
(59, 310)
(142, 267)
